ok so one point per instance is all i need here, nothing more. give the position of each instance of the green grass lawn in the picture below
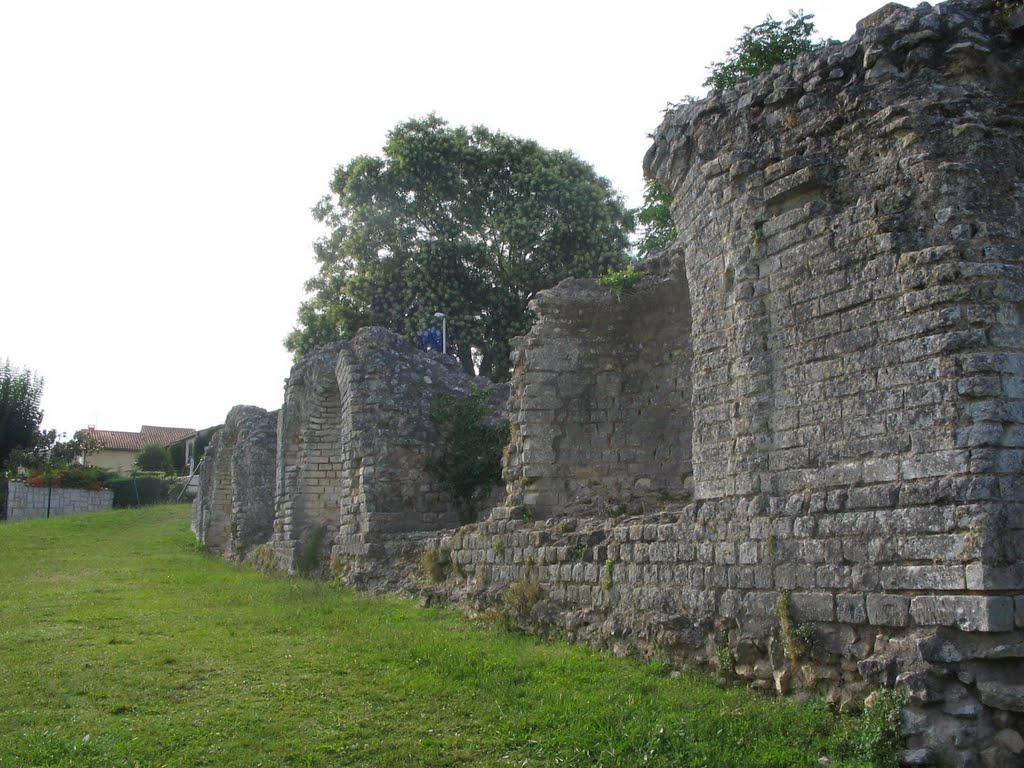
(122, 644)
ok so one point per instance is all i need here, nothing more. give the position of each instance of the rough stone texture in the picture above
(355, 439)
(801, 435)
(851, 251)
(601, 398)
(27, 503)
(234, 509)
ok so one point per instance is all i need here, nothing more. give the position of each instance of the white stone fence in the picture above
(27, 503)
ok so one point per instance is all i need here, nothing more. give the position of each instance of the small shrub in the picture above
(469, 464)
(262, 558)
(140, 489)
(434, 564)
(621, 280)
(760, 48)
(155, 458)
(876, 735)
(1003, 11)
(726, 659)
(339, 566)
(88, 478)
(309, 559)
(178, 490)
(521, 596)
(608, 581)
(499, 547)
(616, 511)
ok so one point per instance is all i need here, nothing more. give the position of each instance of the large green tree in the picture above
(462, 221)
(654, 217)
(21, 394)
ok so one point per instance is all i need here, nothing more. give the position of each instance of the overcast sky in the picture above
(158, 161)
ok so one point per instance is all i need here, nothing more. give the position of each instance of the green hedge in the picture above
(140, 489)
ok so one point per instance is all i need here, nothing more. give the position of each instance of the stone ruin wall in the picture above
(310, 461)
(850, 245)
(600, 402)
(342, 466)
(356, 437)
(809, 414)
(234, 509)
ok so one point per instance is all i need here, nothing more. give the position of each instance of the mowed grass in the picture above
(122, 644)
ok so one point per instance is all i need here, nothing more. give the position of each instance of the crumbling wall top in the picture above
(943, 54)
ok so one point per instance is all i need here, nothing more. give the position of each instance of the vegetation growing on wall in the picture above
(761, 47)
(469, 464)
(621, 280)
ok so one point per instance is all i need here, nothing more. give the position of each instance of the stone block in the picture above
(923, 577)
(813, 606)
(888, 610)
(971, 613)
(981, 577)
(748, 553)
(1002, 694)
(851, 608)
(939, 464)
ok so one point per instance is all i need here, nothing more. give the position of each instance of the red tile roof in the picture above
(136, 441)
(166, 435)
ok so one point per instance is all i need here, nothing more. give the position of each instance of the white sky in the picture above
(158, 161)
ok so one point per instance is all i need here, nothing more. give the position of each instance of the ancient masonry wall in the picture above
(850, 240)
(27, 503)
(345, 466)
(795, 448)
(389, 389)
(309, 461)
(600, 403)
(234, 509)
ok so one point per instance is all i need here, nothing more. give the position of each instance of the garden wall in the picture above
(27, 503)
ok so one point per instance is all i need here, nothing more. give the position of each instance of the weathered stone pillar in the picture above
(234, 509)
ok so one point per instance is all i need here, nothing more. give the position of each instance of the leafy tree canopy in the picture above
(760, 48)
(155, 458)
(21, 394)
(461, 221)
(657, 230)
(49, 451)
